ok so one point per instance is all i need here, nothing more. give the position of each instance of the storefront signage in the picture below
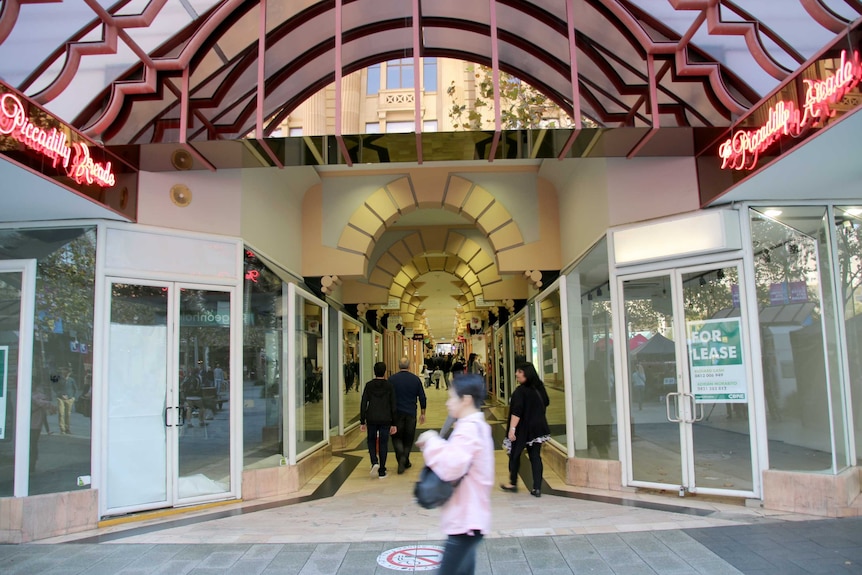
(788, 292)
(716, 362)
(743, 149)
(4, 365)
(52, 143)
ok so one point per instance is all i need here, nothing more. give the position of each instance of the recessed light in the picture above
(854, 211)
(772, 213)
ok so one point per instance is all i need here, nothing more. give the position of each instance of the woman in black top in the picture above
(528, 427)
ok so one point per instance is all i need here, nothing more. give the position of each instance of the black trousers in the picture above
(378, 438)
(402, 441)
(535, 455)
(459, 555)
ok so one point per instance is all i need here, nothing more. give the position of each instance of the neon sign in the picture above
(743, 149)
(53, 145)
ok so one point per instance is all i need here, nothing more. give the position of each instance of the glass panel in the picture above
(429, 74)
(553, 357)
(373, 82)
(849, 234)
(63, 338)
(263, 353)
(519, 349)
(10, 324)
(836, 389)
(137, 390)
(787, 278)
(652, 368)
(722, 440)
(399, 74)
(204, 363)
(591, 339)
(309, 374)
(351, 348)
(501, 352)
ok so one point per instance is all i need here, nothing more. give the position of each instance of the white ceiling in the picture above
(27, 197)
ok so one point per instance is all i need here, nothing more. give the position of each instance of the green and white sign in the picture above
(4, 380)
(716, 362)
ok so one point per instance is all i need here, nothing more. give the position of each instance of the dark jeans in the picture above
(534, 453)
(402, 441)
(34, 447)
(459, 555)
(378, 434)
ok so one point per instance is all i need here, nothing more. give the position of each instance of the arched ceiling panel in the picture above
(733, 58)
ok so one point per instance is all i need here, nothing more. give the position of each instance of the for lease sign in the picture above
(716, 362)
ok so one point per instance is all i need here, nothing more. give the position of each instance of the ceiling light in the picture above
(854, 211)
(772, 213)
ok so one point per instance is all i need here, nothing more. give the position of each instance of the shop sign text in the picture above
(53, 144)
(743, 149)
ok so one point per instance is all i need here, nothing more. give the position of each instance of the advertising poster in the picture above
(4, 379)
(716, 362)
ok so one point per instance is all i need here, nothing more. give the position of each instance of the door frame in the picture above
(172, 499)
(26, 330)
(290, 403)
(756, 439)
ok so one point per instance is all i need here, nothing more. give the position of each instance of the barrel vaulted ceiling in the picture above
(126, 71)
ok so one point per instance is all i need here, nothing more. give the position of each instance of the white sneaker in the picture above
(374, 468)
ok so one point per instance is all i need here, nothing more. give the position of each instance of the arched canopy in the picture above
(122, 72)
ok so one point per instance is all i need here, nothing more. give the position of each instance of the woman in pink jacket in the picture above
(468, 455)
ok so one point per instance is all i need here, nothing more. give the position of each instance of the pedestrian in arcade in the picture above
(408, 390)
(467, 455)
(528, 427)
(377, 410)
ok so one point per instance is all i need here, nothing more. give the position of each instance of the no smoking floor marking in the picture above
(412, 558)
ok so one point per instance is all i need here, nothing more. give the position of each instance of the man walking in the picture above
(67, 391)
(408, 388)
(377, 409)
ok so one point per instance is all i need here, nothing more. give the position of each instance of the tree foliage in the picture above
(522, 106)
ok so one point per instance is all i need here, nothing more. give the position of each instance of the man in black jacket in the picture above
(377, 409)
(408, 390)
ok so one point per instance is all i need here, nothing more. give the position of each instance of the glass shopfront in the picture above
(552, 365)
(591, 346)
(351, 354)
(308, 356)
(263, 359)
(57, 386)
(805, 359)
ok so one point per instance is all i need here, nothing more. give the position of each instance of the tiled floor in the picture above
(565, 531)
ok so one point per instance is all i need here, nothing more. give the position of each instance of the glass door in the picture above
(688, 382)
(139, 413)
(168, 395)
(19, 448)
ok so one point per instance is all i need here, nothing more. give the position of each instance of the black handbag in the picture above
(431, 491)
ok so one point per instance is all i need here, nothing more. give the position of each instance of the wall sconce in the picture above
(534, 277)
(328, 283)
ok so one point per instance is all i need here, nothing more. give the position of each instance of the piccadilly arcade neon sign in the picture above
(743, 149)
(53, 145)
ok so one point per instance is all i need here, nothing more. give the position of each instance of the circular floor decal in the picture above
(412, 558)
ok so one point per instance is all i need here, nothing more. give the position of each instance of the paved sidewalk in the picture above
(831, 547)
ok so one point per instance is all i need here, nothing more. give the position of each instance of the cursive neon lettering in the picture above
(52, 144)
(743, 149)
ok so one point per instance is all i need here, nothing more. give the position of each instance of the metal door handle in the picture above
(182, 416)
(667, 406)
(166, 416)
(696, 408)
